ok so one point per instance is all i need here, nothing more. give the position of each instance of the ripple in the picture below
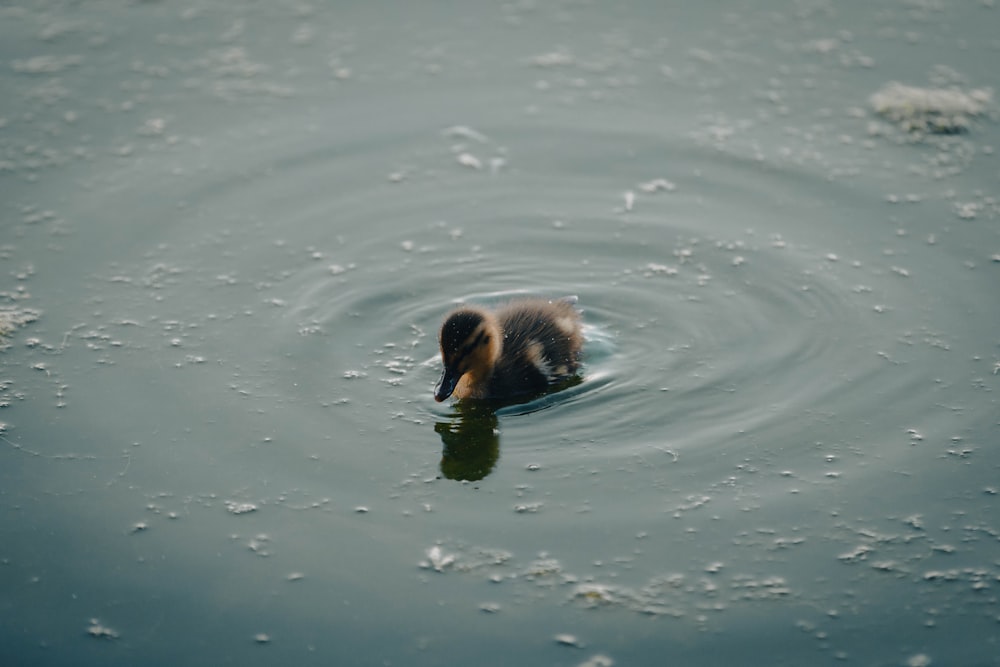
(738, 338)
(244, 231)
(712, 331)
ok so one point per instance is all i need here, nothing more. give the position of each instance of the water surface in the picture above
(231, 235)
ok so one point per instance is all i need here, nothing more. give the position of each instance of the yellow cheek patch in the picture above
(462, 389)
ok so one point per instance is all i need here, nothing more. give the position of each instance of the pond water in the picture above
(231, 233)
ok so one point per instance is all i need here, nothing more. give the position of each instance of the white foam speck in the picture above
(100, 631)
(469, 160)
(629, 200)
(567, 640)
(438, 559)
(657, 185)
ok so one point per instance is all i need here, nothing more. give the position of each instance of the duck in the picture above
(523, 347)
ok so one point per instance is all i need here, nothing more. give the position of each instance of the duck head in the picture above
(470, 341)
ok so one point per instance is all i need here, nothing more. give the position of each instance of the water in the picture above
(230, 236)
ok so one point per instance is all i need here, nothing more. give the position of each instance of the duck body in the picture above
(524, 347)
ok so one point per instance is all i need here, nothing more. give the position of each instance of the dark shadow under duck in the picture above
(522, 349)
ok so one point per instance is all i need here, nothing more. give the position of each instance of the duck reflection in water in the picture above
(471, 435)
(471, 441)
(524, 349)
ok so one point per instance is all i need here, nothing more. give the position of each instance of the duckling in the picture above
(522, 348)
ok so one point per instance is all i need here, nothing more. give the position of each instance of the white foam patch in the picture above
(933, 110)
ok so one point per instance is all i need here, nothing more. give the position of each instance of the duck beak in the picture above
(446, 385)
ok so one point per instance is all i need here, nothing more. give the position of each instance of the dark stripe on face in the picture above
(467, 349)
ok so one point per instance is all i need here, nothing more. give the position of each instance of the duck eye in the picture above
(486, 339)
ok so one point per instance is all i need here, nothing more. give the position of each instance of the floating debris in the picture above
(930, 110)
(234, 507)
(674, 594)
(885, 565)
(900, 271)
(489, 607)
(598, 660)
(568, 640)
(361, 509)
(543, 567)
(968, 210)
(469, 160)
(528, 508)
(12, 319)
(858, 553)
(629, 200)
(262, 638)
(139, 527)
(294, 576)
(693, 502)
(597, 595)
(259, 544)
(657, 185)
(437, 559)
(99, 631)
(768, 588)
(653, 269)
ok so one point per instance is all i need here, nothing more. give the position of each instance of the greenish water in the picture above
(230, 235)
